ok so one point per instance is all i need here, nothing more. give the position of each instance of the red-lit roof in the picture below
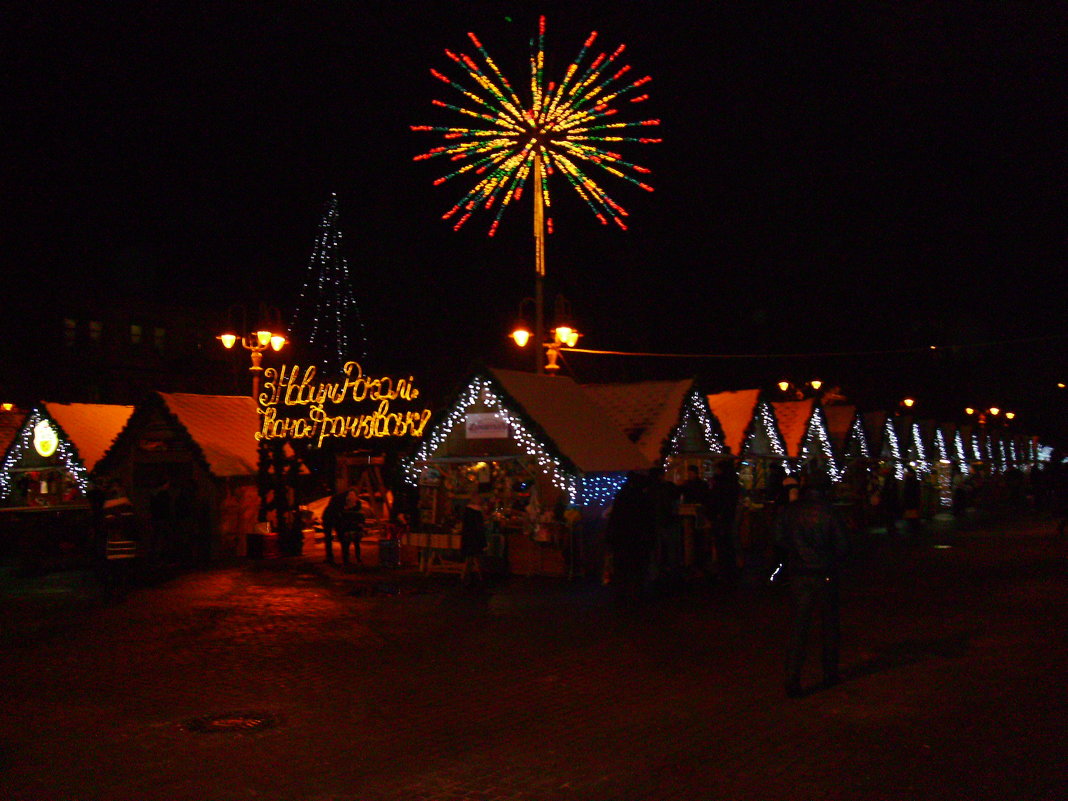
(793, 418)
(735, 411)
(223, 426)
(90, 427)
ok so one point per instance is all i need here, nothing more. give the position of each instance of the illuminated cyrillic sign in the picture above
(287, 389)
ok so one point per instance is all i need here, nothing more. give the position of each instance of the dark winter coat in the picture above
(811, 537)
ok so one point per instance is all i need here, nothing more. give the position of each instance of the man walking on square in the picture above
(813, 543)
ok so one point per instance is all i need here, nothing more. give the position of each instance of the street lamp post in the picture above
(268, 334)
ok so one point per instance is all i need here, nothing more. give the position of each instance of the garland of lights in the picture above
(858, 436)
(921, 462)
(600, 490)
(326, 313)
(817, 431)
(67, 453)
(482, 389)
(771, 431)
(958, 440)
(696, 408)
(895, 451)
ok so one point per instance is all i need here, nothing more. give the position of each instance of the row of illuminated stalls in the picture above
(542, 458)
(180, 470)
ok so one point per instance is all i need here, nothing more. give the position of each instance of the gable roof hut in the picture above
(197, 450)
(845, 425)
(885, 441)
(748, 423)
(530, 443)
(804, 431)
(65, 441)
(549, 421)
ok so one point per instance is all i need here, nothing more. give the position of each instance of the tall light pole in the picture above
(539, 258)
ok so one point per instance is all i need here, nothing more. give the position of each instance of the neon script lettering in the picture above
(287, 387)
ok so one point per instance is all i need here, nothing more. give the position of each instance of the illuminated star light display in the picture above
(568, 127)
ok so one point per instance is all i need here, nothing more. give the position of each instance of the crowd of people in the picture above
(660, 534)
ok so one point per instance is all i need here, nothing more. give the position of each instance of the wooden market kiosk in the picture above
(544, 455)
(188, 464)
(46, 477)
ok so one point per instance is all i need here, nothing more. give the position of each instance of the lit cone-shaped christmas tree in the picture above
(326, 324)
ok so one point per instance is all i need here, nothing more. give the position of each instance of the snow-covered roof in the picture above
(646, 411)
(735, 411)
(793, 418)
(223, 426)
(580, 429)
(90, 427)
(840, 419)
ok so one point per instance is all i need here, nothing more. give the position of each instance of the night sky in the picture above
(833, 178)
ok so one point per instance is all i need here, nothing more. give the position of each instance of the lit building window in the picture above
(135, 334)
(70, 331)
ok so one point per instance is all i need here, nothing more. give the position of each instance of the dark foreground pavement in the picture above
(373, 688)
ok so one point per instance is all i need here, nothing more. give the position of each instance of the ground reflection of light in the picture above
(943, 547)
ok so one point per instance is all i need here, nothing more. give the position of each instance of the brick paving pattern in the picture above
(386, 685)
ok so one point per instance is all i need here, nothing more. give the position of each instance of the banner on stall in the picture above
(485, 426)
(294, 404)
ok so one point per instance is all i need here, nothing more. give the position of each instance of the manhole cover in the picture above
(232, 721)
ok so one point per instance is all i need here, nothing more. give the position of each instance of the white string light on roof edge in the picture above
(480, 389)
(63, 450)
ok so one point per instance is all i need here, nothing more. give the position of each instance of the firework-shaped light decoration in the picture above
(568, 128)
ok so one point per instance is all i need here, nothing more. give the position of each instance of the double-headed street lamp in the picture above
(564, 334)
(269, 333)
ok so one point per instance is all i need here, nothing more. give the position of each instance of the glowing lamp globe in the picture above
(521, 336)
(572, 339)
(969, 410)
(277, 341)
(910, 402)
(563, 333)
(816, 384)
(1010, 415)
(228, 340)
(264, 338)
(994, 410)
(784, 385)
